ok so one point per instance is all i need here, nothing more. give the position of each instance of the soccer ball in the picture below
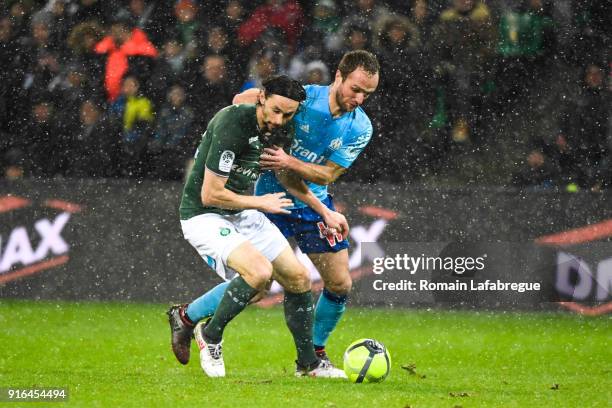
(366, 360)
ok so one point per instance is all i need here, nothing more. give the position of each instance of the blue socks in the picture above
(205, 305)
(330, 309)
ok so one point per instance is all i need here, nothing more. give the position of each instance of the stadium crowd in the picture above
(115, 88)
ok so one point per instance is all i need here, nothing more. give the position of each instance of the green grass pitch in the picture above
(118, 355)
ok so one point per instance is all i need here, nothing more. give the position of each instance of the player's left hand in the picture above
(274, 158)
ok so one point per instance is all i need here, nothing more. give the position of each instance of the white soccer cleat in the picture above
(211, 355)
(325, 369)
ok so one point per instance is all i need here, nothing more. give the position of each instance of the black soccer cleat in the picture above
(181, 330)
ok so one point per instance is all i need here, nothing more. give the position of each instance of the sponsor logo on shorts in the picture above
(332, 237)
(226, 160)
(224, 232)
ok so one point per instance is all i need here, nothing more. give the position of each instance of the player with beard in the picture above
(229, 230)
(331, 131)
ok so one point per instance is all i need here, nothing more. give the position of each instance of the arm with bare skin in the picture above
(297, 188)
(276, 158)
(214, 194)
(248, 96)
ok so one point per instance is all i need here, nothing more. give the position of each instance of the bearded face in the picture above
(276, 137)
(353, 90)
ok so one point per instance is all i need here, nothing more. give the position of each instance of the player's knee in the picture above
(340, 286)
(299, 281)
(260, 273)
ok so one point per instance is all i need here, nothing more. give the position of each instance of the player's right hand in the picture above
(337, 223)
(275, 203)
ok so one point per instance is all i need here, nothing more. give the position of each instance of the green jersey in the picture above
(230, 148)
(523, 34)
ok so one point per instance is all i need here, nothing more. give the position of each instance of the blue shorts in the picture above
(307, 227)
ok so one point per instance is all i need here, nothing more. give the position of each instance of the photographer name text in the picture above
(457, 285)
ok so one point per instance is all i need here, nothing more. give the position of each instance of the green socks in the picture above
(234, 300)
(299, 315)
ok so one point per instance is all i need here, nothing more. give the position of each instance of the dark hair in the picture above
(358, 59)
(284, 86)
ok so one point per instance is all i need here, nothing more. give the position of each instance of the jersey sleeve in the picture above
(348, 152)
(226, 144)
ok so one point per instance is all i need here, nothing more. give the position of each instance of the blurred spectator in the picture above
(136, 113)
(283, 15)
(298, 63)
(69, 90)
(232, 17)
(56, 14)
(230, 20)
(363, 16)
(217, 43)
(168, 69)
(537, 171)
(462, 48)
(88, 11)
(12, 102)
(526, 40)
(142, 14)
(262, 66)
(317, 73)
(405, 85)
(422, 17)
(174, 141)
(81, 42)
(356, 37)
(12, 74)
(593, 39)
(136, 107)
(402, 62)
(189, 28)
(45, 60)
(40, 145)
(19, 14)
(12, 164)
(93, 145)
(582, 143)
(325, 26)
(210, 92)
(126, 50)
